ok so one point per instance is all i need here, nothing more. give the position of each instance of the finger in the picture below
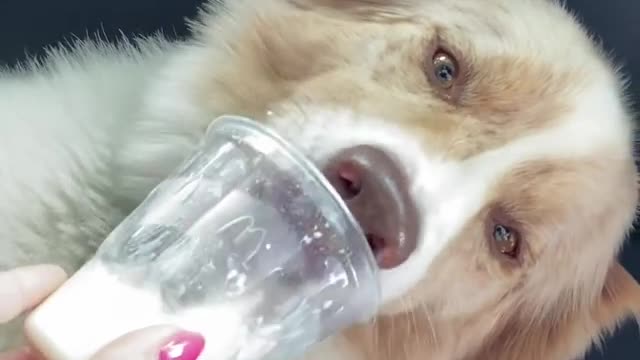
(23, 288)
(155, 343)
(22, 354)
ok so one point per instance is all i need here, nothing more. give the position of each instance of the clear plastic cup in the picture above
(246, 243)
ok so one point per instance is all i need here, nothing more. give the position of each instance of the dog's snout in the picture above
(375, 188)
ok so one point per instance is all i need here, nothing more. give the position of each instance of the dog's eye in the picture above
(506, 240)
(445, 69)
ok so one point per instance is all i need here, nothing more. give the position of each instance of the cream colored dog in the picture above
(488, 145)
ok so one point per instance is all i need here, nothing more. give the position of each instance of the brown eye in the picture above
(445, 69)
(506, 240)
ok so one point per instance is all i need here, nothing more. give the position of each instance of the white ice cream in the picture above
(94, 308)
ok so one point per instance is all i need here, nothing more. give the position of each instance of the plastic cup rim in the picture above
(297, 156)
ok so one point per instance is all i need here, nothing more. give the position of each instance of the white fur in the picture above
(59, 125)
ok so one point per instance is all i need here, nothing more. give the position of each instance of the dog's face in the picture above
(488, 145)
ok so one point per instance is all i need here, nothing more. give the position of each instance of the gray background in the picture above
(26, 26)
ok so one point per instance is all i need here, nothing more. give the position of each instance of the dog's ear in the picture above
(349, 3)
(566, 333)
(364, 9)
(619, 301)
(620, 298)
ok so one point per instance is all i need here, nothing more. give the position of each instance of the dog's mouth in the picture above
(375, 189)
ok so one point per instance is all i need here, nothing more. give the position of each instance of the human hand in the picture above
(24, 288)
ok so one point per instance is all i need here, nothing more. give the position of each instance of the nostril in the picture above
(350, 180)
(376, 243)
(388, 253)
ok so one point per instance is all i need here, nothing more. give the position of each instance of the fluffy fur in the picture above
(538, 135)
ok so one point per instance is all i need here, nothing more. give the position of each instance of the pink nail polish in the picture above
(183, 346)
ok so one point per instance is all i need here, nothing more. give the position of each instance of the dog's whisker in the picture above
(434, 334)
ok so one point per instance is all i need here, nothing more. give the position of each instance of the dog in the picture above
(489, 146)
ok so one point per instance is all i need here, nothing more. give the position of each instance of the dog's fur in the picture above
(537, 135)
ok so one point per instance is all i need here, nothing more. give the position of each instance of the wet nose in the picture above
(375, 188)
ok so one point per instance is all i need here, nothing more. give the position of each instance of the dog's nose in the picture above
(375, 188)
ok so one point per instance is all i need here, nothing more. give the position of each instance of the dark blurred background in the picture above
(27, 26)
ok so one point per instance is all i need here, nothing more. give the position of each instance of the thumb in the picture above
(154, 343)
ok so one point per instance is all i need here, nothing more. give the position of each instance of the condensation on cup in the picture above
(246, 243)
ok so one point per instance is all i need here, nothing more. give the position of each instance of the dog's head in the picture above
(484, 145)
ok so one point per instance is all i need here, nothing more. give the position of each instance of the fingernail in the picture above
(183, 346)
